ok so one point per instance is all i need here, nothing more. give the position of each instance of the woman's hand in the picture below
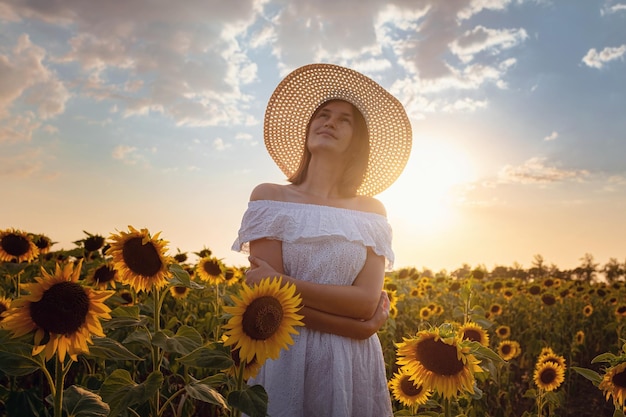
(382, 312)
(259, 269)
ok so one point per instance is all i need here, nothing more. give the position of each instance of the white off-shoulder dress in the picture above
(322, 374)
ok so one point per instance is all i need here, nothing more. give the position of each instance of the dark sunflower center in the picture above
(93, 243)
(42, 242)
(104, 274)
(619, 380)
(212, 268)
(141, 259)
(506, 349)
(409, 388)
(3, 308)
(439, 357)
(547, 376)
(262, 318)
(15, 245)
(472, 335)
(621, 310)
(127, 297)
(548, 300)
(180, 290)
(62, 309)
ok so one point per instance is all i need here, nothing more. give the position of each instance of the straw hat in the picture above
(301, 92)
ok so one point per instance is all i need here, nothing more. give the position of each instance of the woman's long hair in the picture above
(358, 151)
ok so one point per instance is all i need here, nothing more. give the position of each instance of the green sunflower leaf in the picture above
(482, 352)
(203, 391)
(121, 392)
(184, 341)
(605, 357)
(16, 359)
(79, 402)
(590, 374)
(181, 278)
(251, 400)
(205, 357)
(141, 336)
(106, 348)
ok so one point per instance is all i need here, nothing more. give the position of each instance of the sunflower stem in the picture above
(242, 368)
(156, 351)
(540, 403)
(218, 329)
(446, 407)
(59, 377)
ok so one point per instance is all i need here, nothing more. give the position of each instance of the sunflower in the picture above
(579, 338)
(407, 392)
(250, 370)
(127, 297)
(140, 259)
(179, 292)
(103, 276)
(92, 243)
(63, 313)
(16, 245)
(548, 299)
(548, 355)
(587, 310)
(393, 312)
(232, 275)
(444, 364)
(5, 305)
(475, 333)
(614, 383)
(509, 349)
(495, 309)
(620, 310)
(503, 332)
(425, 313)
(548, 375)
(508, 294)
(211, 269)
(264, 318)
(393, 298)
(43, 243)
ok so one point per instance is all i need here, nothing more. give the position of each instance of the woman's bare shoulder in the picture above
(371, 205)
(267, 191)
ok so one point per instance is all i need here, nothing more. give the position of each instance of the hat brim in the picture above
(301, 92)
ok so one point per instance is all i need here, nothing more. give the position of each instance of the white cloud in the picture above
(193, 62)
(220, 145)
(126, 154)
(18, 128)
(482, 39)
(552, 136)
(21, 165)
(615, 8)
(536, 171)
(596, 59)
(25, 78)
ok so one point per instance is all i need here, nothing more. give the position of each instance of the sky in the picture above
(150, 113)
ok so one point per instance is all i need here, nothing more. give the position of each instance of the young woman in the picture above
(340, 138)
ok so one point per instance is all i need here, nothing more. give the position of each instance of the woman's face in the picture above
(332, 127)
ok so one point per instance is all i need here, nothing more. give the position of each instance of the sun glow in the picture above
(429, 190)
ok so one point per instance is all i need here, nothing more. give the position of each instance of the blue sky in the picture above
(150, 114)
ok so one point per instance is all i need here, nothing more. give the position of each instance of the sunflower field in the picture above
(119, 326)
